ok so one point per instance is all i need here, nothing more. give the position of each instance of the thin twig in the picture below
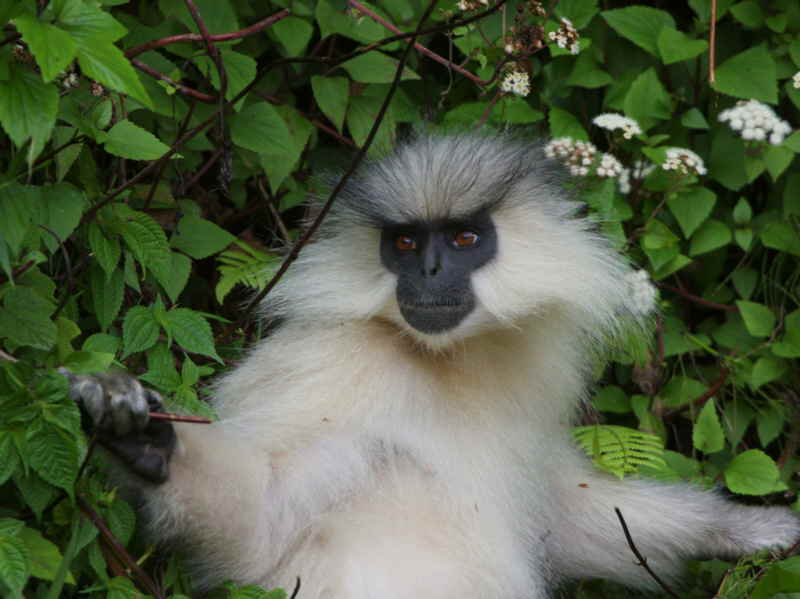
(68, 264)
(712, 45)
(202, 171)
(163, 165)
(642, 559)
(275, 214)
(179, 87)
(708, 394)
(698, 300)
(178, 418)
(304, 238)
(142, 577)
(222, 37)
(8, 357)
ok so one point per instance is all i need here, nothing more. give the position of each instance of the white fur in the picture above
(374, 461)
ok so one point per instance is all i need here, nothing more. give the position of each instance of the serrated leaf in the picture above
(191, 331)
(139, 330)
(758, 318)
(60, 208)
(25, 318)
(332, 95)
(121, 520)
(770, 422)
(14, 568)
(178, 276)
(200, 238)
(28, 109)
(107, 64)
(691, 208)
(675, 46)
(36, 493)
(711, 235)
(107, 294)
(707, 433)
(87, 23)
(375, 67)
(647, 101)
(8, 457)
(52, 47)
(752, 473)
(129, 140)
(54, 455)
(146, 239)
(749, 74)
(18, 206)
(44, 556)
(640, 24)
(105, 250)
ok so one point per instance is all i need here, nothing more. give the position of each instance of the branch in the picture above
(182, 89)
(710, 392)
(196, 37)
(178, 418)
(642, 559)
(698, 300)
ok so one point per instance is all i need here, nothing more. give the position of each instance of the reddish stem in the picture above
(178, 418)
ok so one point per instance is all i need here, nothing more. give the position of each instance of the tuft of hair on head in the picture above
(550, 261)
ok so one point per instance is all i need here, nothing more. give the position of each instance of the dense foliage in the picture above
(155, 156)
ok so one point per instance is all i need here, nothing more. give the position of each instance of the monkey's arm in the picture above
(668, 523)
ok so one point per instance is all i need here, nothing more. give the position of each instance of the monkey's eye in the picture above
(466, 239)
(405, 243)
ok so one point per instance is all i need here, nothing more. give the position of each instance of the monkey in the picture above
(404, 431)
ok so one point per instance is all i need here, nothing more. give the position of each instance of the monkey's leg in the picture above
(668, 524)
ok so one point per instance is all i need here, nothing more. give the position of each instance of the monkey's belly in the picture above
(409, 540)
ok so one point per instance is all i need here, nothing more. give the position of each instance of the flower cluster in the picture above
(516, 82)
(639, 172)
(612, 121)
(684, 161)
(523, 38)
(609, 167)
(566, 37)
(796, 80)
(467, 5)
(643, 292)
(756, 121)
(577, 156)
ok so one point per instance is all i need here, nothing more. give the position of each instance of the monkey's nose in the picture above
(431, 263)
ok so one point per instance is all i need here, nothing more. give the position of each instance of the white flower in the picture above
(642, 292)
(639, 172)
(577, 156)
(516, 82)
(757, 121)
(684, 161)
(796, 80)
(609, 167)
(612, 121)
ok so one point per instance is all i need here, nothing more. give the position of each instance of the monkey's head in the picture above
(452, 236)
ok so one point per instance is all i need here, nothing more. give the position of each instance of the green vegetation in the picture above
(155, 156)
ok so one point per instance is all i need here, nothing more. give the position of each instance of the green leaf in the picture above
(711, 235)
(748, 13)
(191, 331)
(587, 73)
(694, 119)
(691, 207)
(375, 67)
(199, 237)
(293, 34)
(727, 162)
(106, 251)
(9, 459)
(259, 128)
(60, 209)
(43, 555)
(647, 101)
(767, 369)
(744, 280)
(36, 493)
(758, 318)
(640, 24)
(612, 399)
(770, 422)
(88, 24)
(54, 455)
(675, 46)
(749, 74)
(28, 109)
(565, 124)
(752, 473)
(777, 159)
(178, 276)
(579, 12)
(332, 94)
(361, 115)
(781, 236)
(146, 239)
(332, 19)
(18, 206)
(52, 47)
(707, 433)
(239, 68)
(681, 390)
(107, 64)
(742, 213)
(107, 293)
(129, 140)
(278, 164)
(26, 318)
(139, 330)
(14, 567)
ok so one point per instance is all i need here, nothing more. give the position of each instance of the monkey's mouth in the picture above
(437, 316)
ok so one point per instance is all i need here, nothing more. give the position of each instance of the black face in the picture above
(434, 263)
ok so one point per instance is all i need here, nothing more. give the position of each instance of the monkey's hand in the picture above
(118, 409)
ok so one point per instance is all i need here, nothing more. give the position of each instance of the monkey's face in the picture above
(434, 263)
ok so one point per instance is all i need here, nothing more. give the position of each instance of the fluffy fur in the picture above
(374, 461)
